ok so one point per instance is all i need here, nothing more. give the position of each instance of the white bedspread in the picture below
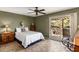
(28, 37)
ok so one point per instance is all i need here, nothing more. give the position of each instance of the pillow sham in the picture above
(18, 29)
(26, 29)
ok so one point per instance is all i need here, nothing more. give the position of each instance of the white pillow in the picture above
(18, 29)
(26, 29)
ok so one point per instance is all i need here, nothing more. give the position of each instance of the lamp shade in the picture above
(7, 28)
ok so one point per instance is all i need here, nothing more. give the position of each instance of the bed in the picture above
(28, 37)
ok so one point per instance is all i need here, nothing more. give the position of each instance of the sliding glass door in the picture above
(66, 26)
(59, 27)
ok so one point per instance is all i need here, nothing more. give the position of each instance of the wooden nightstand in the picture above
(7, 37)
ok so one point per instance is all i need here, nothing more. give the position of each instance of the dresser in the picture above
(33, 27)
(6, 37)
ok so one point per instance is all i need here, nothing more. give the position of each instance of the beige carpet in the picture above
(42, 46)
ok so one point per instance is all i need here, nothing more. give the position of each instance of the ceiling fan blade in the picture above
(42, 12)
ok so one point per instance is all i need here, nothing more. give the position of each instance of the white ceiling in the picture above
(25, 10)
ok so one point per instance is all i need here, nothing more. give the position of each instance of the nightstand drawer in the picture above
(4, 40)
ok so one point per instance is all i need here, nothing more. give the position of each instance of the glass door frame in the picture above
(60, 16)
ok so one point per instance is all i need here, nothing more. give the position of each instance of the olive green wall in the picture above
(42, 22)
(13, 20)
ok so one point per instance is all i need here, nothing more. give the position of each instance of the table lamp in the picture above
(7, 28)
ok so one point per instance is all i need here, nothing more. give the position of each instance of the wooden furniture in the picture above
(33, 27)
(76, 43)
(7, 37)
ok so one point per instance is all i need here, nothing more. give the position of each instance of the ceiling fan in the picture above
(37, 11)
